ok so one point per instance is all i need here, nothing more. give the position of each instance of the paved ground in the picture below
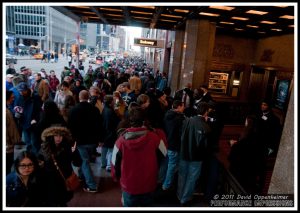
(109, 194)
(36, 65)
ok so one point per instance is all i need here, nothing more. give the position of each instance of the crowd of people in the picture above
(149, 139)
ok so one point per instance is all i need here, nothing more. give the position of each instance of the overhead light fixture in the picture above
(181, 11)
(238, 29)
(138, 17)
(236, 82)
(261, 32)
(287, 17)
(80, 6)
(172, 16)
(224, 22)
(222, 7)
(256, 12)
(111, 9)
(167, 20)
(114, 15)
(268, 22)
(283, 6)
(147, 7)
(209, 14)
(252, 26)
(89, 13)
(138, 12)
(239, 18)
(276, 29)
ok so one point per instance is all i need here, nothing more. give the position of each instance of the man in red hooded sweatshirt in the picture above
(135, 160)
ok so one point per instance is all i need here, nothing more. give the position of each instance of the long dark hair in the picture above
(21, 156)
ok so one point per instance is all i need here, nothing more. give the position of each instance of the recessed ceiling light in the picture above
(209, 14)
(268, 22)
(80, 6)
(222, 7)
(256, 12)
(110, 9)
(88, 13)
(238, 29)
(181, 11)
(276, 29)
(224, 22)
(239, 18)
(172, 16)
(252, 26)
(138, 17)
(141, 12)
(167, 20)
(147, 7)
(287, 17)
(261, 32)
(114, 15)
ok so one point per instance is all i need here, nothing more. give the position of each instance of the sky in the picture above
(133, 32)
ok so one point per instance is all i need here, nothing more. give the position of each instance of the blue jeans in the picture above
(31, 142)
(137, 200)
(172, 168)
(189, 172)
(163, 166)
(85, 152)
(106, 155)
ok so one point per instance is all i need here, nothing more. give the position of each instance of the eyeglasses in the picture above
(23, 166)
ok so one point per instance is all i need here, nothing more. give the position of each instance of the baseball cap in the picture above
(9, 76)
(23, 68)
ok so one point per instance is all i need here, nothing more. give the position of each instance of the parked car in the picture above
(92, 59)
(11, 59)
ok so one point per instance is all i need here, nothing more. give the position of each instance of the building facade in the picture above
(36, 26)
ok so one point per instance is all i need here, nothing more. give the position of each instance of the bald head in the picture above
(83, 95)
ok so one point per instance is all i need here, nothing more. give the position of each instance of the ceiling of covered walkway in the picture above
(241, 21)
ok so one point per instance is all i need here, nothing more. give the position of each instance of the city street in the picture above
(36, 65)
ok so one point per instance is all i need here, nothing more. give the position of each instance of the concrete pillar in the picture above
(166, 55)
(199, 43)
(282, 181)
(176, 61)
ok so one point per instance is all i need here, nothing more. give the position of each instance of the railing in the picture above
(229, 184)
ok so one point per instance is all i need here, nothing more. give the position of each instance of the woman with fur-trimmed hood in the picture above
(57, 141)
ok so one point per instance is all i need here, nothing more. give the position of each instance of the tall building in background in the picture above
(10, 29)
(36, 26)
(88, 36)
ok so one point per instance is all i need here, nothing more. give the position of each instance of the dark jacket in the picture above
(57, 193)
(85, 123)
(269, 131)
(194, 139)
(110, 123)
(173, 127)
(18, 195)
